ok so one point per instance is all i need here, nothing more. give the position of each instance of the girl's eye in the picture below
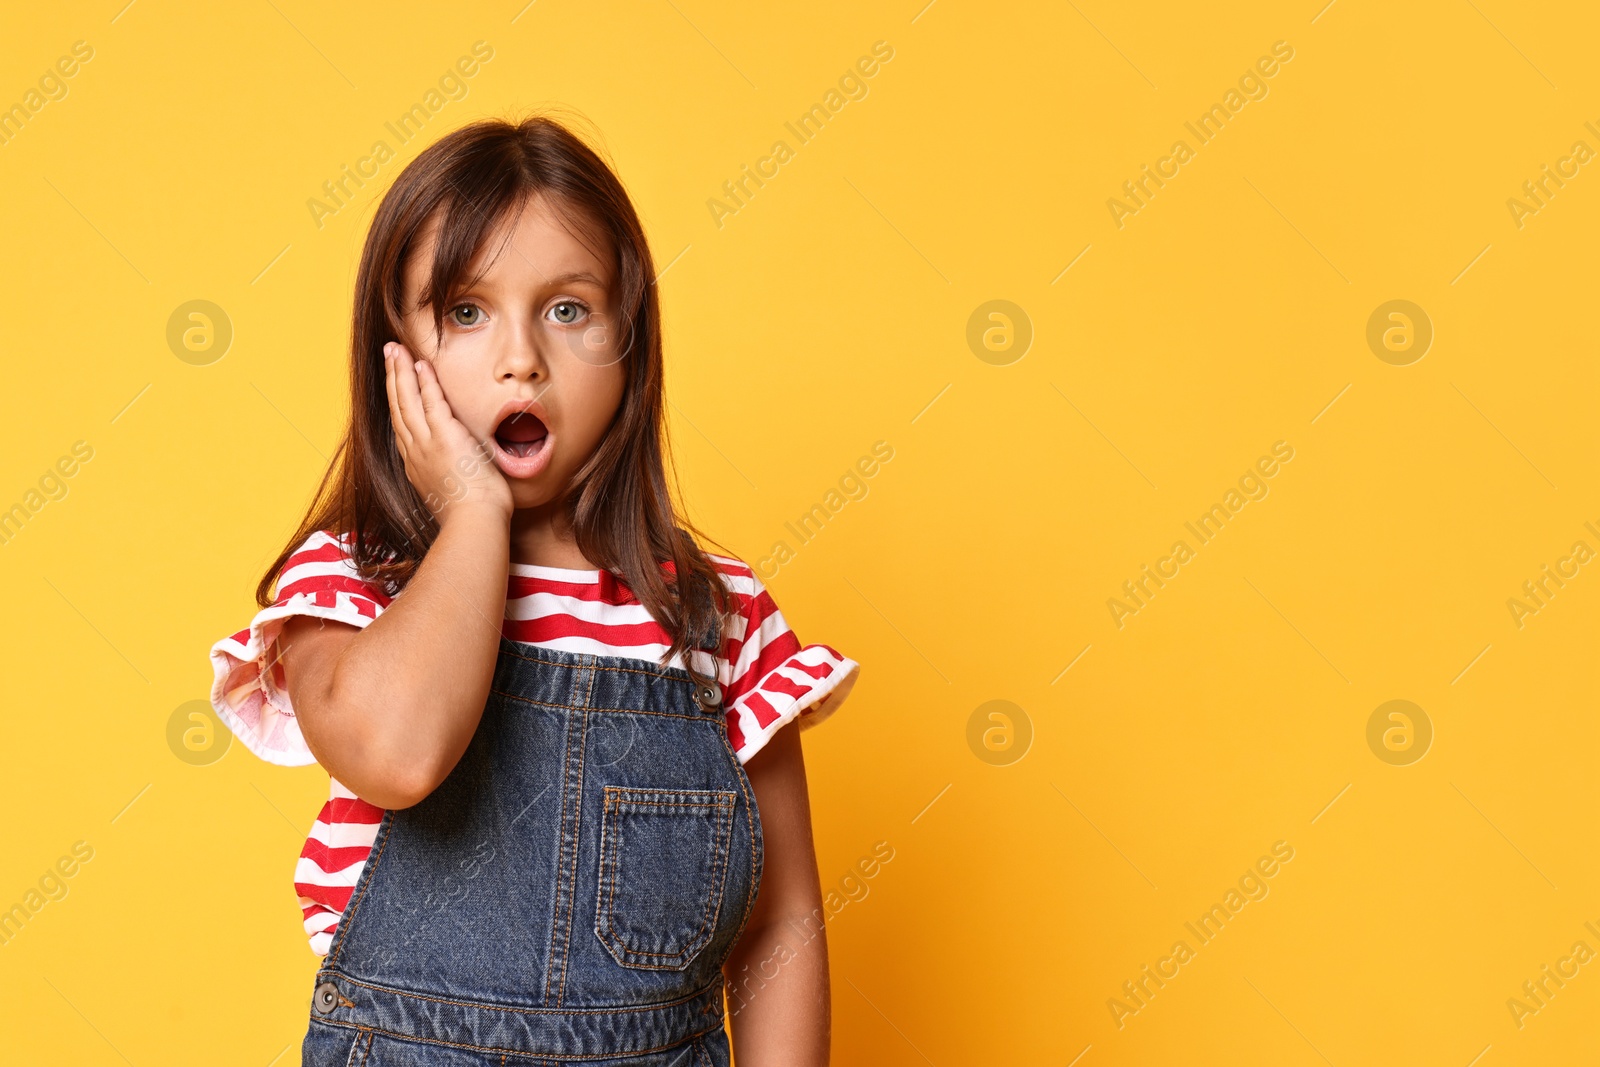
(475, 314)
(567, 311)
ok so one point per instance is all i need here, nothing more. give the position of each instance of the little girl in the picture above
(553, 722)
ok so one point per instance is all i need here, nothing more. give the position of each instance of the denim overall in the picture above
(567, 895)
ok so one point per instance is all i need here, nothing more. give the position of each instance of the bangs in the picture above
(468, 219)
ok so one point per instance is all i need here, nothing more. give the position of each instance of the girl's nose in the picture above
(520, 355)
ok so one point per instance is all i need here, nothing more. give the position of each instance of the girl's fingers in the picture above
(391, 385)
(405, 382)
(434, 405)
(431, 440)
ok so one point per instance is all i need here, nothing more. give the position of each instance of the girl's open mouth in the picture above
(521, 434)
(522, 445)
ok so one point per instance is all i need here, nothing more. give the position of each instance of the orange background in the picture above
(1047, 849)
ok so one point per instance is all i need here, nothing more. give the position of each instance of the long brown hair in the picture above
(622, 504)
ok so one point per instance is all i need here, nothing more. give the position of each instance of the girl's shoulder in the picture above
(737, 576)
(769, 676)
(325, 563)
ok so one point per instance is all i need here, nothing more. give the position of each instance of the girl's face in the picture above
(527, 359)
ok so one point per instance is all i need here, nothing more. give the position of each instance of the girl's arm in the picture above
(778, 973)
(389, 709)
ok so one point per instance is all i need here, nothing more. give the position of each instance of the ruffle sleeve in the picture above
(247, 689)
(769, 678)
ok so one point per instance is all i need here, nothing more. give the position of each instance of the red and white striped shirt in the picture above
(768, 679)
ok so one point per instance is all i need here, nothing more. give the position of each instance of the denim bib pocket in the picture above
(663, 865)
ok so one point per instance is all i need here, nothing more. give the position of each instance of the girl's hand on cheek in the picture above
(450, 470)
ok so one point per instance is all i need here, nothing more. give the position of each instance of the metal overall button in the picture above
(707, 693)
(325, 998)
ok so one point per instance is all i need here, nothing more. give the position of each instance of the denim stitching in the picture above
(721, 808)
(613, 792)
(576, 707)
(555, 924)
(724, 844)
(367, 873)
(350, 1059)
(752, 822)
(577, 835)
(665, 673)
(613, 1009)
(511, 1051)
